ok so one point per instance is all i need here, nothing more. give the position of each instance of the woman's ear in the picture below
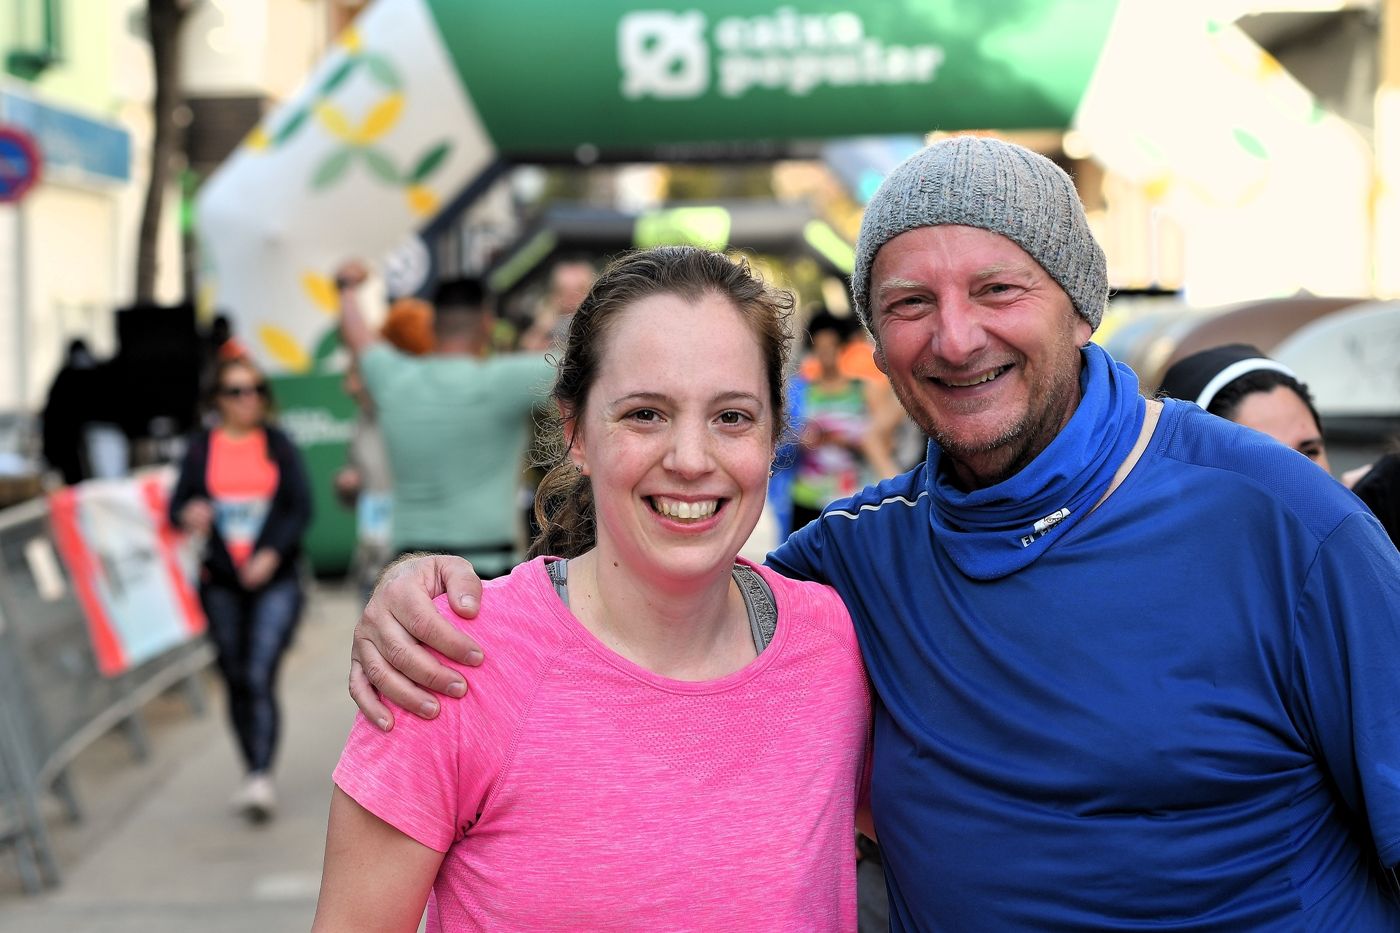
(573, 438)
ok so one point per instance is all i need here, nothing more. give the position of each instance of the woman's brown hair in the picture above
(564, 500)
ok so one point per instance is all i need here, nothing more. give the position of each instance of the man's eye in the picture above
(907, 305)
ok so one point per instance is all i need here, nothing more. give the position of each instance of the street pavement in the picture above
(158, 850)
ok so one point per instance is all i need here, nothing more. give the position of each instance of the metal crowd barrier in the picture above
(53, 701)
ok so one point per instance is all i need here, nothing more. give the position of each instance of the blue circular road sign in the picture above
(19, 163)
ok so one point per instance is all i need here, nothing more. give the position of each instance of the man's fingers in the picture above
(463, 586)
(423, 668)
(433, 630)
(367, 698)
(392, 684)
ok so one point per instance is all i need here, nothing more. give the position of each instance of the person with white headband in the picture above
(1239, 383)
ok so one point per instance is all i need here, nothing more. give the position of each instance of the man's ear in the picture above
(1083, 331)
(880, 363)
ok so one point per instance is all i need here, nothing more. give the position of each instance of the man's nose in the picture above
(959, 334)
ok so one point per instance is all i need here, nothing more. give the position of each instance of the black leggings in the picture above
(251, 631)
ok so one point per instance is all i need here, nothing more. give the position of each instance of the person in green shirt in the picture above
(455, 422)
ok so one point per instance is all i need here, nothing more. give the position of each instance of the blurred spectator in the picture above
(67, 411)
(220, 343)
(1379, 487)
(455, 425)
(856, 359)
(908, 444)
(1239, 383)
(243, 490)
(365, 483)
(843, 443)
(409, 326)
(569, 282)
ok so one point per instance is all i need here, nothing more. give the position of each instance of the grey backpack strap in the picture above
(760, 604)
(558, 571)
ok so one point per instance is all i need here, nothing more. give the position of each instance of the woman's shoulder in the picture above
(817, 603)
(518, 626)
(199, 439)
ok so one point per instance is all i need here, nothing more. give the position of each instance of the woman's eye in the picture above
(645, 415)
(733, 417)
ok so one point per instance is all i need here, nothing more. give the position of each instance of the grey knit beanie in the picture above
(976, 181)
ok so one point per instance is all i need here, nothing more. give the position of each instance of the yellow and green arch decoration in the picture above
(423, 99)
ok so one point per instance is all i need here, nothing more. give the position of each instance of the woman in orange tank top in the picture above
(243, 488)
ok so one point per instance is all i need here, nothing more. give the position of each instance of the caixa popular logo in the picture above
(669, 55)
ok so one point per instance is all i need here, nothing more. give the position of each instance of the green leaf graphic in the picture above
(326, 346)
(429, 162)
(384, 72)
(331, 169)
(380, 165)
(297, 121)
(337, 77)
(1250, 143)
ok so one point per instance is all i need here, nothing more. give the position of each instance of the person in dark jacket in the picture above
(73, 397)
(243, 489)
(1379, 487)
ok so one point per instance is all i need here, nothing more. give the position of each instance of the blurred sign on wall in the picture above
(70, 141)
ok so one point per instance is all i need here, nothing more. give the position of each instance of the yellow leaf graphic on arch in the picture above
(1268, 67)
(380, 119)
(1157, 187)
(350, 39)
(321, 290)
(421, 200)
(334, 121)
(283, 348)
(257, 140)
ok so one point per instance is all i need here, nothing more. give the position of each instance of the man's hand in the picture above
(388, 656)
(261, 565)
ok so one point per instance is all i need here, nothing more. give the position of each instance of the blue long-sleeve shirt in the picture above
(1184, 715)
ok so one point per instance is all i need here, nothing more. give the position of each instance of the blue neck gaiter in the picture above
(990, 533)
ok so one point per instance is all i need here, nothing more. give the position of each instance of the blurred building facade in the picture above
(78, 77)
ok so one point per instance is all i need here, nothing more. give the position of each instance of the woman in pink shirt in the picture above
(667, 737)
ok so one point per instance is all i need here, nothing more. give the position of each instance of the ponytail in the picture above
(564, 511)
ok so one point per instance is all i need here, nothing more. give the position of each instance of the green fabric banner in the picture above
(549, 76)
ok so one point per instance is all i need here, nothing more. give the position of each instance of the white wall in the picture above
(252, 47)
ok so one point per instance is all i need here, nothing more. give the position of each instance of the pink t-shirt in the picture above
(571, 789)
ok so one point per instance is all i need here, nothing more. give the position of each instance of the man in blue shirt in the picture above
(1135, 667)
